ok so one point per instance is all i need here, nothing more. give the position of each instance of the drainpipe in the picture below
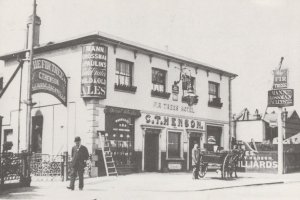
(230, 109)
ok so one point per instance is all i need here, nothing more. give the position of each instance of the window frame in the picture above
(6, 134)
(180, 157)
(165, 80)
(212, 95)
(118, 73)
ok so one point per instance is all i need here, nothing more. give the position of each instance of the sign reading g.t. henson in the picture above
(281, 98)
(47, 77)
(94, 71)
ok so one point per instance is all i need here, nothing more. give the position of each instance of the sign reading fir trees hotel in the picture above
(280, 96)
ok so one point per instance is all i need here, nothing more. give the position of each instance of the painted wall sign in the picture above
(173, 107)
(280, 79)
(94, 71)
(49, 78)
(281, 98)
(263, 162)
(174, 122)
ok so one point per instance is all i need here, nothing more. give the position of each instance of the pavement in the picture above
(144, 186)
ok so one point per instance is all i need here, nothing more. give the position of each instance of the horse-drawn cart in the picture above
(226, 161)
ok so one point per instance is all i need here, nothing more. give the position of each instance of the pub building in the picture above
(149, 106)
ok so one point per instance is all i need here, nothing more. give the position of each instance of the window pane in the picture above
(127, 80)
(118, 67)
(173, 145)
(122, 80)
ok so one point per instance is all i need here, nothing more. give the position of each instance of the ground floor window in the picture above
(174, 144)
(214, 135)
(120, 138)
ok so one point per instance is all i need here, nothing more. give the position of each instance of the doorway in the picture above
(151, 151)
(37, 133)
(193, 140)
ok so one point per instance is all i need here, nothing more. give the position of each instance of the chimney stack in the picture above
(29, 31)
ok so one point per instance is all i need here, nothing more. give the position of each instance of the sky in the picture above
(246, 37)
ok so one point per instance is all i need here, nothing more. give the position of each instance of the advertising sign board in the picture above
(281, 98)
(94, 71)
(47, 77)
(280, 79)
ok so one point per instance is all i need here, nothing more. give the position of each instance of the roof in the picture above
(273, 115)
(118, 42)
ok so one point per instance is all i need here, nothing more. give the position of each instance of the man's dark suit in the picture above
(79, 156)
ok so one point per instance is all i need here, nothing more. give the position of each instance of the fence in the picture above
(14, 168)
(45, 167)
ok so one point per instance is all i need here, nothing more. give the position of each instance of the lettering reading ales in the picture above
(94, 71)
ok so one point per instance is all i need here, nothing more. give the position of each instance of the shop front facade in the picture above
(137, 98)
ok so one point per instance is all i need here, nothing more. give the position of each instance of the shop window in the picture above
(124, 76)
(213, 95)
(174, 141)
(159, 83)
(120, 137)
(214, 135)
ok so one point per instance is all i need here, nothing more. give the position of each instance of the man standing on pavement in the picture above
(80, 155)
(195, 161)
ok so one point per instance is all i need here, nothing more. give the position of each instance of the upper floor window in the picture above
(188, 85)
(213, 93)
(124, 73)
(159, 79)
(213, 90)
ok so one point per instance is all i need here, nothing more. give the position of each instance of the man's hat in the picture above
(77, 139)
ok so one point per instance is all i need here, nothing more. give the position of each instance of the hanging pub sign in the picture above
(175, 92)
(94, 71)
(281, 98)
(280, 79)
(49, 78)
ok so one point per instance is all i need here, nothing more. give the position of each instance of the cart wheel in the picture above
(224, 167)
(203, 170)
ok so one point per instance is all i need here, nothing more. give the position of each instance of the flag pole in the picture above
(29, 97)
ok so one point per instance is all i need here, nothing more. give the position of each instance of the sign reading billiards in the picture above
(94, 71)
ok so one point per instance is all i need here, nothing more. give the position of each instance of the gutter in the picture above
(118, 42)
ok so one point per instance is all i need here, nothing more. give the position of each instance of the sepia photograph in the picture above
(149, 99)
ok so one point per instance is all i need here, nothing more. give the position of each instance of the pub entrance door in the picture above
(151, 150)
